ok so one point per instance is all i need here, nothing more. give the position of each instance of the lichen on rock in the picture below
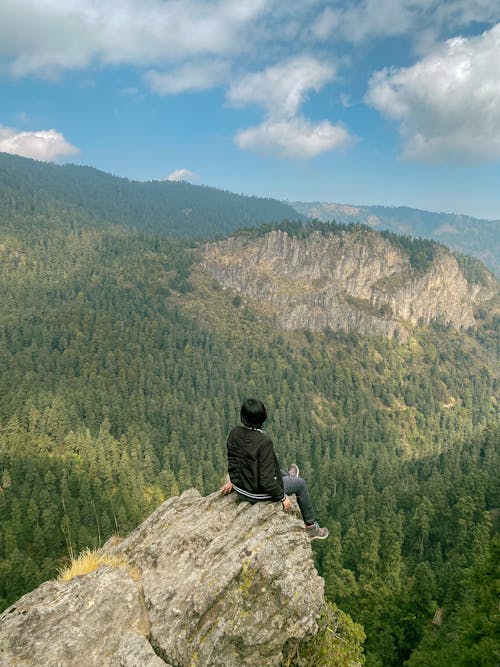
(221, 582)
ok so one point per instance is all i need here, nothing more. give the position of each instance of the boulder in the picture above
(216, 581)
(81, 622)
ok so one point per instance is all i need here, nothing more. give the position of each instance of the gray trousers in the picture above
(293, 486)
(298, 486)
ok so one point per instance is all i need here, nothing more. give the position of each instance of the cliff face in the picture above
(347, 282)
(212, 581)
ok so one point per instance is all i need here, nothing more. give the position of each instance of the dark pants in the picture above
(292, 485)
(298, 486)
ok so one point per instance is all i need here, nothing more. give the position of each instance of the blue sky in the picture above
(393, 102)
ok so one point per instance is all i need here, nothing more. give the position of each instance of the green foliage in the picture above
(473, 270)
(338, 643)
(470, 634)
(301, 230)
(37, 192)
(122, 369)
(421, 252)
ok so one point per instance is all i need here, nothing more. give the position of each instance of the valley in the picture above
(126, 349)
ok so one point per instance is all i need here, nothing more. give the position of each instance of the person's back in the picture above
(252, 465)
(254, 470)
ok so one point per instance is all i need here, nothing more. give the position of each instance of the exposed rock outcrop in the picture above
(346, 282)
(215, 581)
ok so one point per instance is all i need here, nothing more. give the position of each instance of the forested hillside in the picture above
(38, 191)
(350, 279)
(122, 368)
(463, 233)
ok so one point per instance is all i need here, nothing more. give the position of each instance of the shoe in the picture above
(314, 532)
(293, 470)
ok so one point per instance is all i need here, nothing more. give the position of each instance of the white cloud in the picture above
(45, 37)
(326, 23)
(293, 138)
(183, 175)
(282, 88)
(448, 103)
(190, 77)
(359, 20)
(188, 45)
(46, 145)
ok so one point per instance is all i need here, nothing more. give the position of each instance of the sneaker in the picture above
(293, 470)
(314, 532)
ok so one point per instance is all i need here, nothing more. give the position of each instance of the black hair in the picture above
(253, 413)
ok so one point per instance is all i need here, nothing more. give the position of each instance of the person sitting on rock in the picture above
(254, 471)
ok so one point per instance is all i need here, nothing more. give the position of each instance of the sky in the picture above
(389, 102)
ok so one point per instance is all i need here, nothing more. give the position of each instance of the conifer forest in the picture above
(123, 367)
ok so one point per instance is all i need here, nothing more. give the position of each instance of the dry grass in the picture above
(90, 560)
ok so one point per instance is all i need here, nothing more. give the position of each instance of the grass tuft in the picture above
(88, 561)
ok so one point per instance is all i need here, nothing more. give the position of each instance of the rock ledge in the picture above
(221, 583)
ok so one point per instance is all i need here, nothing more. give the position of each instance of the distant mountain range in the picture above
(181, 210)
(471, 236)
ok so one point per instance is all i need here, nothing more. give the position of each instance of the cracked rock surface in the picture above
(344, 282)
(222, 582)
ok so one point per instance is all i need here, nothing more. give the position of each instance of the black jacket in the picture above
(252, 463)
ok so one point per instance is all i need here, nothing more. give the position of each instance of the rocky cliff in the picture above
(205, 581)
(350, 282)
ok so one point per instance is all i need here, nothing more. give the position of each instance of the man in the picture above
(254, 471)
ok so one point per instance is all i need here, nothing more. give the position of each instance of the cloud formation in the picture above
(281, 90)
(44, 38)
(293, 138)
(447, 104)
(45, 145)
(47, 38)
(359, 20)
(189, 77)
(183, 175)
(195, 45)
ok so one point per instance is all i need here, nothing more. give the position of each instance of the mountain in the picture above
(123, 363)
(87, 196)
(471, 236)
(350, 280)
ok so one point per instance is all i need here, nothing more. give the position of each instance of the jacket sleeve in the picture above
(270, 478)
(233, 461)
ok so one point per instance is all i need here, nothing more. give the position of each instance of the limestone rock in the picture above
(79, 623)
(220, 582)
(347, 283)
(136, 651)
(227, 583)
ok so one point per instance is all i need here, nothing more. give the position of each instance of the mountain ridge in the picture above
(463, 233)
(350, 280)
(88, 196)
(99, 199)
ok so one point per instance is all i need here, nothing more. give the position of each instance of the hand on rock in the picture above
(227, 488)
(287, 503)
